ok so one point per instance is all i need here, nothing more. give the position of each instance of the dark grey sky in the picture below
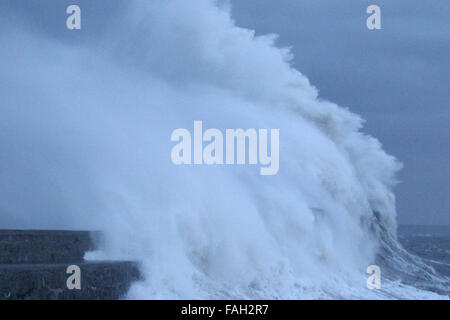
(396, 78)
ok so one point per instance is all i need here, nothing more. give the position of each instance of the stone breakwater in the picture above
(34, 265)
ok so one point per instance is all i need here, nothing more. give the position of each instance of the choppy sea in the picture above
(432, 244)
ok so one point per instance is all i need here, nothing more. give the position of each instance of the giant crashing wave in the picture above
(94, 122)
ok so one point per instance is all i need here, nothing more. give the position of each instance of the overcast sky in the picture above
(397, 78)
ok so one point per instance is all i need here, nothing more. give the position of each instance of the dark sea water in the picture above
(431, 243)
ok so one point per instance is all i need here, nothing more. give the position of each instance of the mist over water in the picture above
(85, 144)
